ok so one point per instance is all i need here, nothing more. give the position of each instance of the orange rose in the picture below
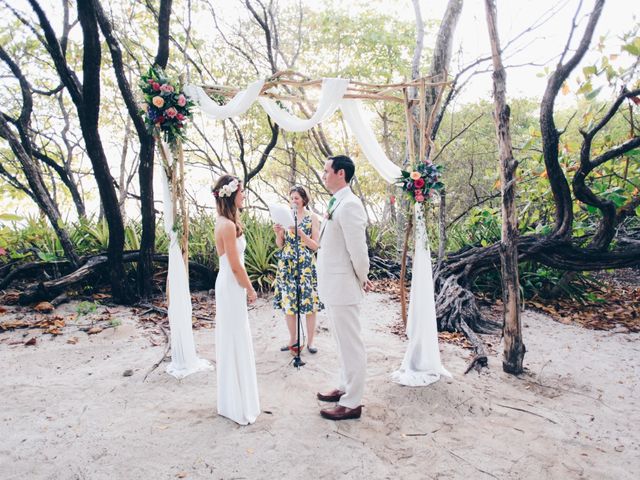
(158, 101)
(415, 175)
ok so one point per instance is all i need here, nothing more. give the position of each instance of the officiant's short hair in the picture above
(342, 162)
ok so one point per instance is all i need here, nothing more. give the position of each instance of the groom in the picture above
(343, 266)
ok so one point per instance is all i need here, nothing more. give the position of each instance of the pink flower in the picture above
(419, 183)
(2, 251)
(180, 116)
(165, 87)
(415, 175)
(155, 86)
(171, 112)
(158, 102)
(151, 81)
(419, 197)
(182, 100)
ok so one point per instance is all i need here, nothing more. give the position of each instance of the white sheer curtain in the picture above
(239, 104)
(421, 364)
(333, 89)
(184, 360)
(352, 114)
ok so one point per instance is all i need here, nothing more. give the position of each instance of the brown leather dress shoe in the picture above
(332, 396)
(341, 413)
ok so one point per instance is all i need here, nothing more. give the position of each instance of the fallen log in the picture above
(97, 265)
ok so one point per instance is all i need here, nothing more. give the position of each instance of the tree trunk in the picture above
(39, 191)
(88, 113)
(147, 142)
(550, 134)
(512, 330)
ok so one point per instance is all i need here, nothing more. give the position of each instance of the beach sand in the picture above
(67, 411)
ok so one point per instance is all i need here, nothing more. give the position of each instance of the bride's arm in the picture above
(231, 250)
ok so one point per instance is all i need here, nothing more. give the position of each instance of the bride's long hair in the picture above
(226, 204)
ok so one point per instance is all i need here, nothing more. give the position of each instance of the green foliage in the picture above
(202, 241)
(85, 308)
(259, 257)
(539, 281)
(382, 240)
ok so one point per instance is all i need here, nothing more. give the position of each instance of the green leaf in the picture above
(9, 217)
(593, 94)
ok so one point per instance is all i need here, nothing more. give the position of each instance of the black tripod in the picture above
(297, 361)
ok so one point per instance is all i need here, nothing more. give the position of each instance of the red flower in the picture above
(155, 86)
(160, 119)
(419, 183)
(180, 117)
(392, 199)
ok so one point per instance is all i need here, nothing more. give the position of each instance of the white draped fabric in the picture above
(421, 364)
(184, 360)
(235, 107)
(352, 114)
(333, 89)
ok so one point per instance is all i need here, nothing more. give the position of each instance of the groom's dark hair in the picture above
(342, 162)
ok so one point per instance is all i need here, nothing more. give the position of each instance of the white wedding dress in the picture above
(235, 362)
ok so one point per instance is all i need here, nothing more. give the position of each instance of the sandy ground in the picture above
(67, 411)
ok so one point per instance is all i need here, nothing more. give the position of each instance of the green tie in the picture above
(331, 202)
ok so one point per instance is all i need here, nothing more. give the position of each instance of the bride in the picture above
(235, 361)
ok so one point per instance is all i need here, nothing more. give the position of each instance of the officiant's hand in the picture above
(367, 286)
(301, 234)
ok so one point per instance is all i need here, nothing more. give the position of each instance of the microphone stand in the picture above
(297, 361)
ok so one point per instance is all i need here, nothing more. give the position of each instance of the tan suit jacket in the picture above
(343, 257)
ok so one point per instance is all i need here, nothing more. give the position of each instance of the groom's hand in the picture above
(367, 286)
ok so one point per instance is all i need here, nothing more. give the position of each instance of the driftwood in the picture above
(92, 266)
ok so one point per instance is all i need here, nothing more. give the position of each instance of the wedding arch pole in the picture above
(184, 359)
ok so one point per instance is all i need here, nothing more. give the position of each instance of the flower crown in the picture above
(228, 189)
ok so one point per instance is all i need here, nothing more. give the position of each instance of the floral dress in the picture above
(285, 290)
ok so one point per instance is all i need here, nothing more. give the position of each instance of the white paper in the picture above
(281, 215)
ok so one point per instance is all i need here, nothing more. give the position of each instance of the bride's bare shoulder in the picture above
(223, 225)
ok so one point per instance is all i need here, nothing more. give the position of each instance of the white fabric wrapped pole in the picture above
(184, 360)
(333, 89)
(421, 364)
(239, 104)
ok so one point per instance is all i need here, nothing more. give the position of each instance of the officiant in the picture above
(285, 294)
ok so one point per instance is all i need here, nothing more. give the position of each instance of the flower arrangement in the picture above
(227, 190)
(166, 107)
(421, 182)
